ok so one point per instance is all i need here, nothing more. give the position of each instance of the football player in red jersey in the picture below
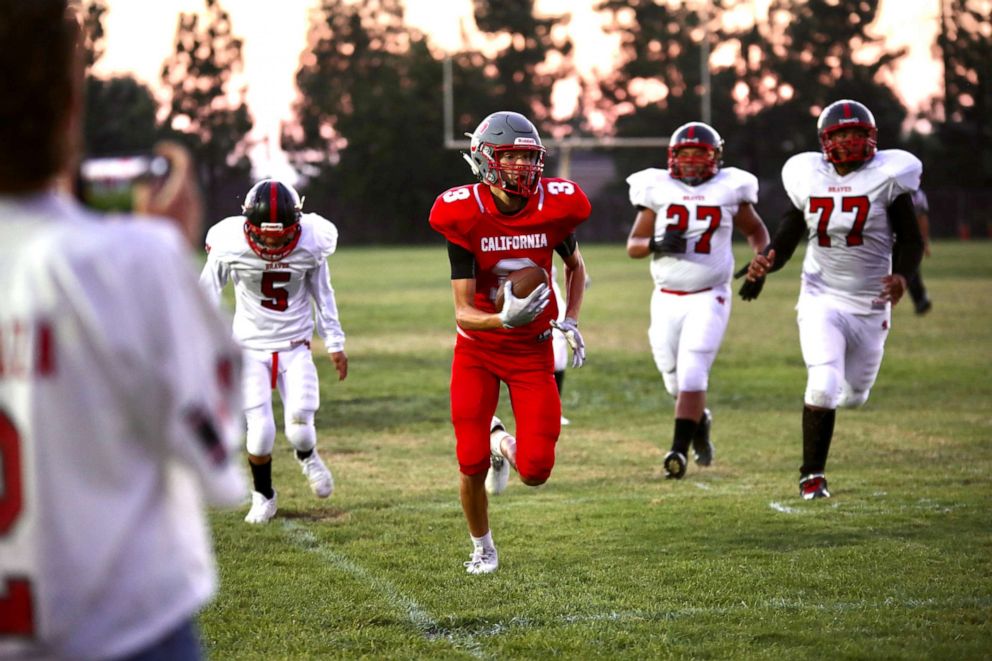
(852, 203)
(512, 219)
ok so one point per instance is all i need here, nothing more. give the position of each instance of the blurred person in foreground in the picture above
(276, 256)
(513, 218)
(117, 398)
(852, 203)
(686, 216)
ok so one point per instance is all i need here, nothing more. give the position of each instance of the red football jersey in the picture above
(501, 243)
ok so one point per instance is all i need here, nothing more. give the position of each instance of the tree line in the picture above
(368, 129)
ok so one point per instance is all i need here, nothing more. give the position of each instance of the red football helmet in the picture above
(272, 213)
(846, 114)
(690, 168)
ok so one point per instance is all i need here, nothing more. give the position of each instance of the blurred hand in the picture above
(672, 243)
(177, 196)
(893, 288)
(570, 329)
(340, 359)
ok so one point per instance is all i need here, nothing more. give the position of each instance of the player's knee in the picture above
(535, 469)
(300, 430)
(851, 399)
(671, 383)
(260, 434)
(822, 387)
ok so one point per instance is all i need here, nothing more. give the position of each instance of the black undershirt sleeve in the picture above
(462, 262)
(567, 247)
(907, 251)
(790, 232)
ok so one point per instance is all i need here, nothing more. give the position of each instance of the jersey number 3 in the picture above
(16, 616)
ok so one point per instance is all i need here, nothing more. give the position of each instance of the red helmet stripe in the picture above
(692, 132)
(273, 202)
(847, 110)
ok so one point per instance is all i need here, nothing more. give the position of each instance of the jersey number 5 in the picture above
(825, 207)
(16, 616)
(278, 298)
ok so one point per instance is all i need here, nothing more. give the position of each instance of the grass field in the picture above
(609, 560)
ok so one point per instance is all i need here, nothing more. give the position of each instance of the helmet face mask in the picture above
(506, 153)
(272, 212)
(847, 132)
(695, 153)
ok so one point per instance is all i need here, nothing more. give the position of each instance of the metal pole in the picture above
(449, 104)
(704, 67)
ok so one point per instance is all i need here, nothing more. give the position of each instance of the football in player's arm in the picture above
(276, 255)
(685, 219)
(513, 218)
(853, 205)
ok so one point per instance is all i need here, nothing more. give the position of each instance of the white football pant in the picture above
(685, 336)
(843, 352)
(296, 380)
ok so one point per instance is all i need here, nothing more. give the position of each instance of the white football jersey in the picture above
(705, 213)
(850, 238)
(272, 310)
(118, 411)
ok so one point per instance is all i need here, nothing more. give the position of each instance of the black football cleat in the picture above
(674, 464)
(702, 447)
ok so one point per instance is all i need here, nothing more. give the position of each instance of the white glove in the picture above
(521, 311)
(570, 329)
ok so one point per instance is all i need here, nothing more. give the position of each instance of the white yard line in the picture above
(415, 613)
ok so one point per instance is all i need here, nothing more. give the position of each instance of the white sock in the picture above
(484, 542)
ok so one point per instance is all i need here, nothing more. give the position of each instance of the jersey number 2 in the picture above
(709, 215)
(278, 298)
(16, 616)
(825, 207)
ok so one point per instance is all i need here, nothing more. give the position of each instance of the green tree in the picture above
(369, 133)
(120, 111)
(965, 134)
(199, 77)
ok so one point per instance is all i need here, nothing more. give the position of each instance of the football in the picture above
(524, 281)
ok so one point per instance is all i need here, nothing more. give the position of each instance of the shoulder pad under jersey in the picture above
(642, 183)
(797, 175)
(743, 183)
(904, 169)
(323, 233)
(565, 198)
(454, 213)
(227, 237)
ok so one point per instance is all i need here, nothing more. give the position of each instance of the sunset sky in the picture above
(140, 34)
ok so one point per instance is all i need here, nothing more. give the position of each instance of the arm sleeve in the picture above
(568, 246)
(790, 232)
(213, 278)
(462, 262)
(328, 324)
(189, 398)
(908, 248)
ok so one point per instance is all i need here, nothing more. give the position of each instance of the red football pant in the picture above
(476, 373)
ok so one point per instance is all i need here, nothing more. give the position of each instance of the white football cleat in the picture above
(320, 478)
(262, 508)
(483, 561)
(499, 469)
